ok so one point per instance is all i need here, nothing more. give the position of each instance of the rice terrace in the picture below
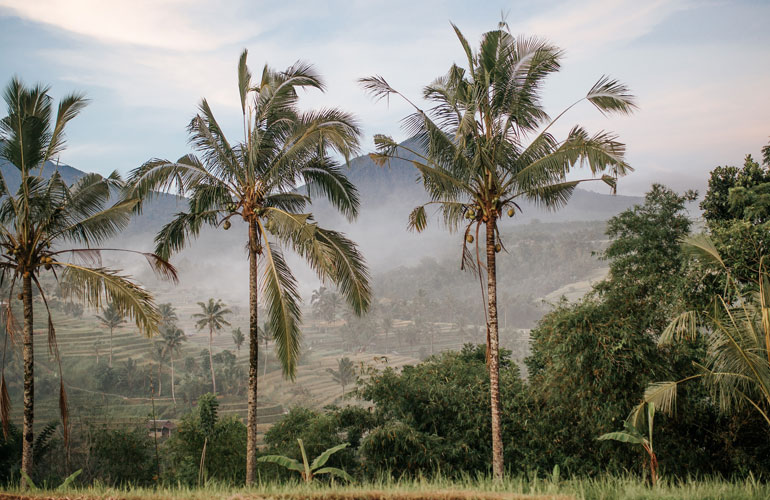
(384, 251)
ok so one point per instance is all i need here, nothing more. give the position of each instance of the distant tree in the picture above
(387, 327)
(737, 211)
(130, 375)
(173, 338)
(40, 220)
(738, 193)
(111, 319)
(167, 314)
(265, 335)
(158, 355)
(345, 374)
(238, 338)
(212, 316)
(486, 144)
(325, 303)
(97, 349)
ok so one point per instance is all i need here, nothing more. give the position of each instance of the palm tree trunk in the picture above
(28, 435)
(251, 424)
(173, 396)
(211, 360)
(160, 381)
(110, 347)
(494, 354)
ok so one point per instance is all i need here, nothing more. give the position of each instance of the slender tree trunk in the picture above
(211, 360)
(160, 381)
(28, 435)
(251, 424)
(264, 368)
(173, 396)
(110, 347)
(494, 354)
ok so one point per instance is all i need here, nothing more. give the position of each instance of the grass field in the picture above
(605, 488)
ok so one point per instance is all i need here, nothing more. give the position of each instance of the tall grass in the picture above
(549, 487)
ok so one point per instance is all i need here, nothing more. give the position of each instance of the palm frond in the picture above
(683, 326)
(95, 286)
(279, 288)
(663, 395)
(611, 96)
(701, 247)
(418, 220)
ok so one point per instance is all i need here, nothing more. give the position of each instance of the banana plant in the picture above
(632, 433)
(309, 471)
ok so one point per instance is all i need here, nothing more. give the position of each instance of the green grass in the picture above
(604, 488)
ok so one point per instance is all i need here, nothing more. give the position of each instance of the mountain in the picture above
(387, 196)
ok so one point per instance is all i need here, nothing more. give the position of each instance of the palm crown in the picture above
(212, 315)
(478, 156)
(257, 180)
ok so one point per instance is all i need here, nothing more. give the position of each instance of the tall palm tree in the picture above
(173, 338)
(212, 316)
(38, 222)
(486, 143)
(256, 180)
(111, 319)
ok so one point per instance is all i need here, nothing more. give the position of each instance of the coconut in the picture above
(47, 267)
(469, 238)
(511, 212)
(498, 247)
(226, 225)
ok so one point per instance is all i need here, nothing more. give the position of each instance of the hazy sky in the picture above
(700, 69)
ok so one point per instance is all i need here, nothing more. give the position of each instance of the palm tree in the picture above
(325, 303)
(485, 144)
(173, 338)
(167, 314)
(737, 329)
(111, 319)
(212, 315)
(238, 338)
(344, 374)
(256, 180)
(41, 218)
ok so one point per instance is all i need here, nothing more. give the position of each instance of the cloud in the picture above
(182, 25)
(587, 27)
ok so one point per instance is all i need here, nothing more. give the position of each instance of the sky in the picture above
(700, 69)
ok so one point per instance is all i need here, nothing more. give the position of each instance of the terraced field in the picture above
(79, 340)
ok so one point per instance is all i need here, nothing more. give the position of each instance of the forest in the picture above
(618, 355)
